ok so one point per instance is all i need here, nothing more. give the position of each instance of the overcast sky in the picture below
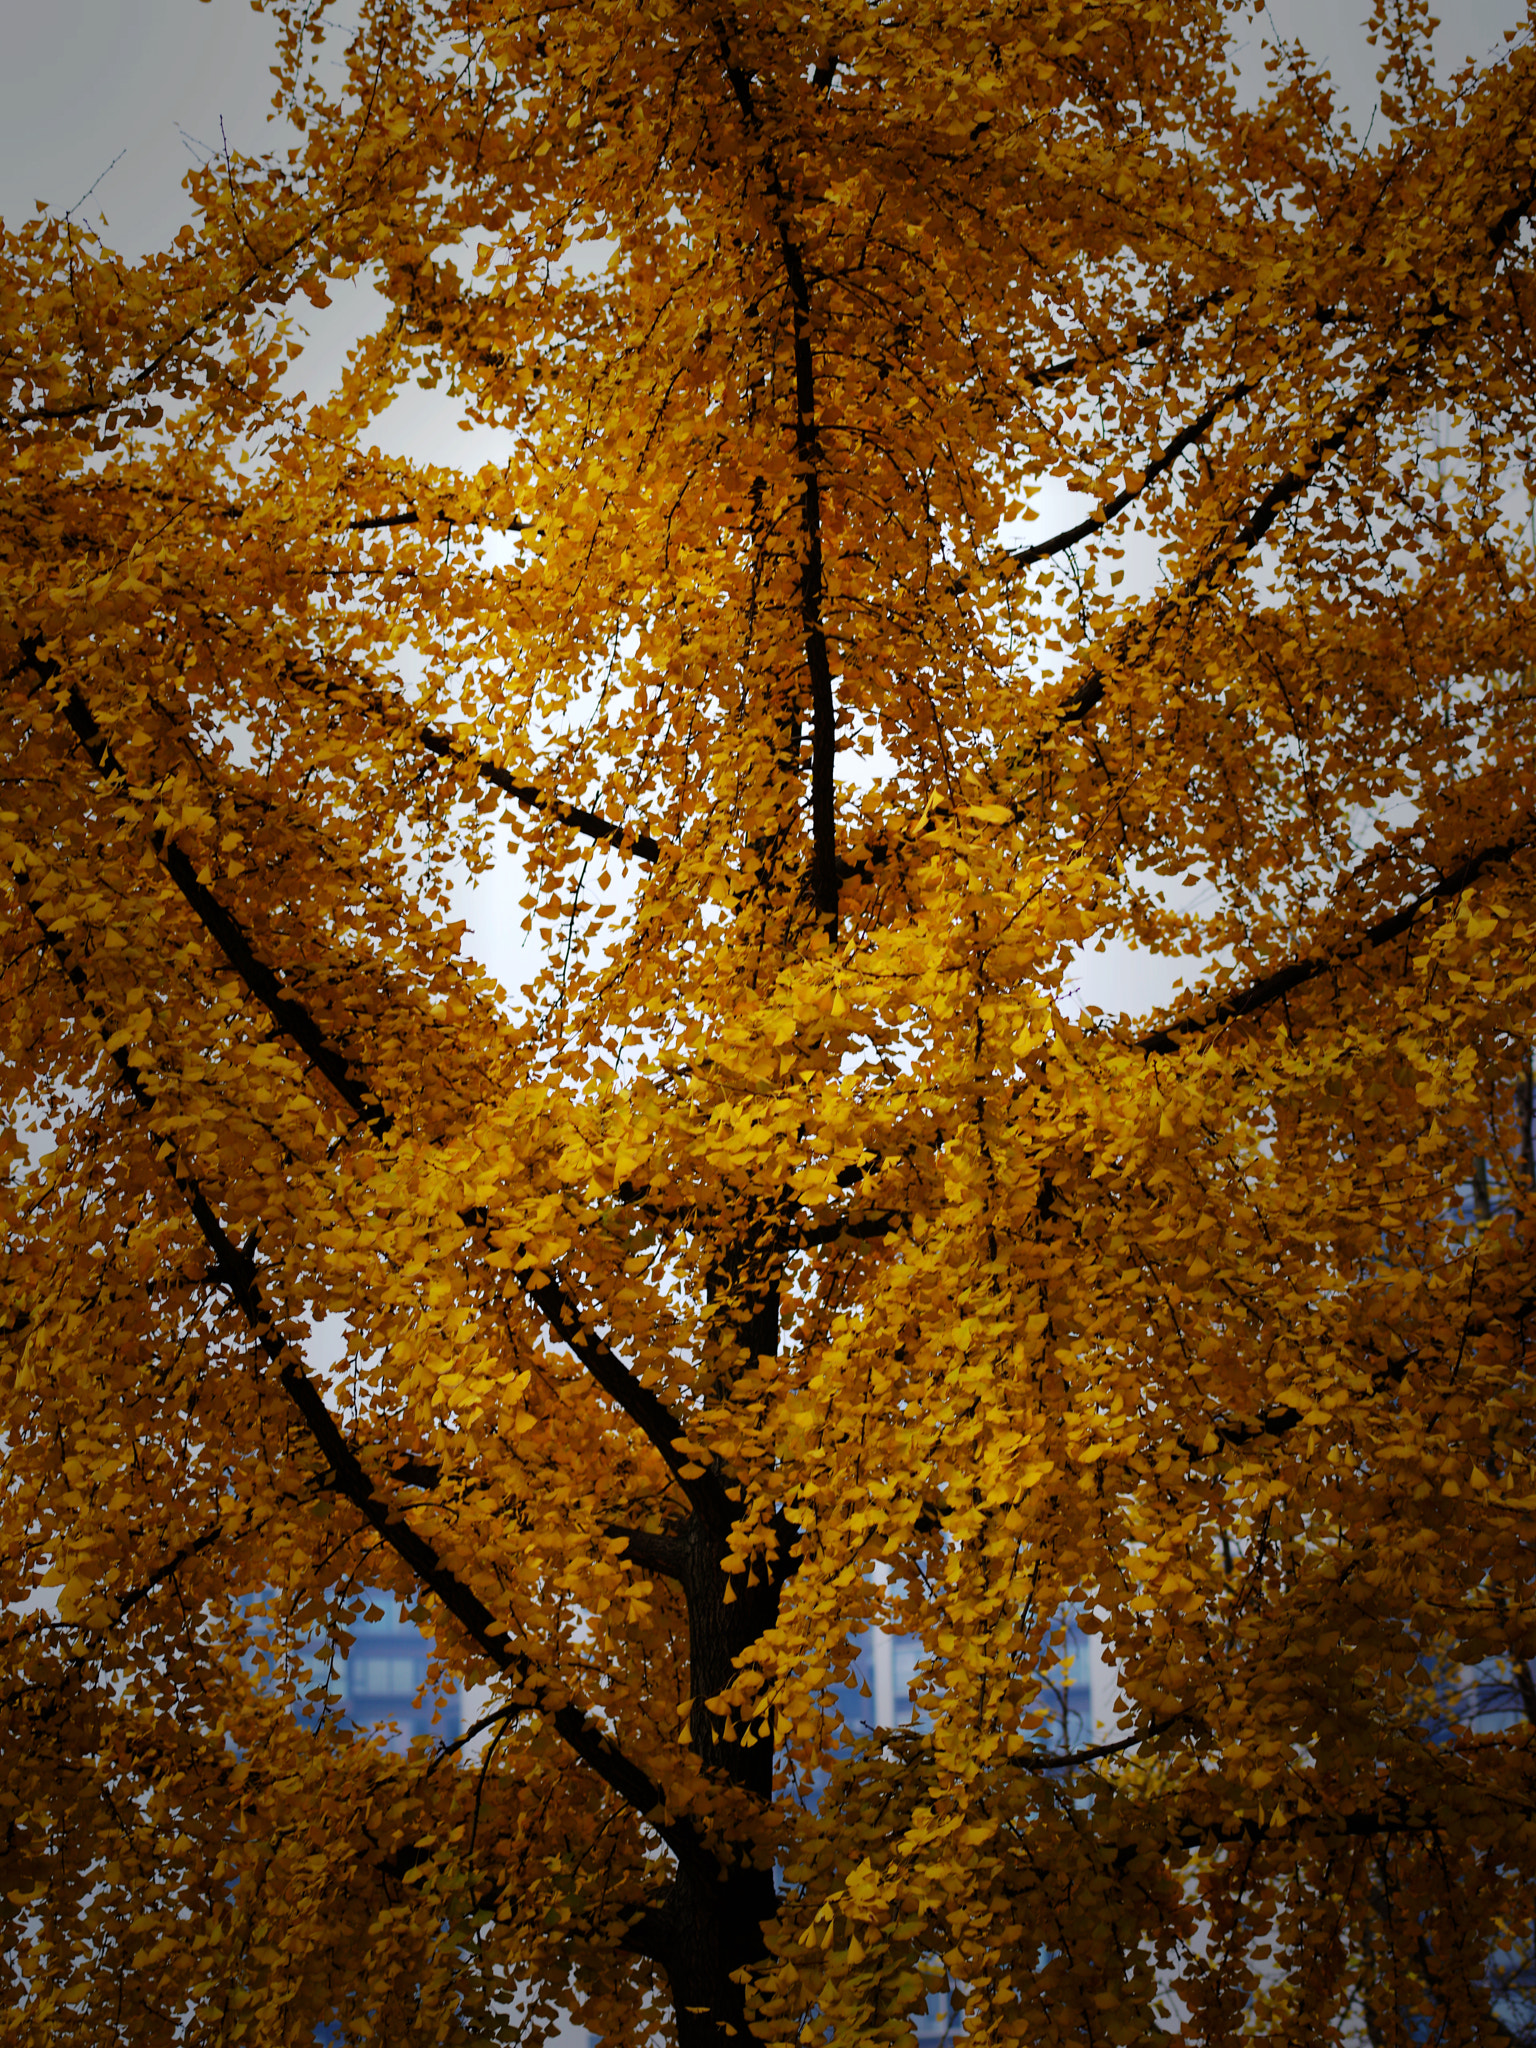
(103, 104)
(121, 90)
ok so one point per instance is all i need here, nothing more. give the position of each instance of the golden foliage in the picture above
(793, 1256)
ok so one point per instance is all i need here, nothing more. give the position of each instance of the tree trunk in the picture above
(708, 1929)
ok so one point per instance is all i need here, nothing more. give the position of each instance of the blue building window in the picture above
(379, 1683)
(384, 1680)
(889, 1668)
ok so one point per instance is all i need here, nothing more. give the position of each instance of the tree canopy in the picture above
(793, 1255)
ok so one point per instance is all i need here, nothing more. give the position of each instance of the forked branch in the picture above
(1423, 335)
(550, 1295)
(237, 1271)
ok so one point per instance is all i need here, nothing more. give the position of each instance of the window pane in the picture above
(373, 1677)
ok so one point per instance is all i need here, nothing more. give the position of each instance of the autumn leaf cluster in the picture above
(794, 1255)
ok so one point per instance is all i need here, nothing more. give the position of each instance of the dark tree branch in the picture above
(1272, 1423)
(853, 1227)
(1247, 1002)
(1112, 507)
(1181, 318)
(130, 1600)
(1089, 693)
(136, 382)
(376, 521)
(808, 450)
(1097, 1751)
(622, 837)
(170, 1568)
(416, 1472)
(707, 1493)
(548, 1292)
(1362, 1823)
(410, 517)
(1425, 334)
(625, 839)
(237, 1269)
(286, 1011)
(666, 1556)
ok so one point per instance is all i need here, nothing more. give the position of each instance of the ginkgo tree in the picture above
(792, 1256)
